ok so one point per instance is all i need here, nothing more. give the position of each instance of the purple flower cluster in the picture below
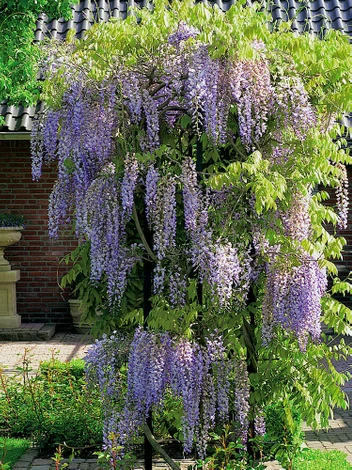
(157, 364)
(241, 400)
(342, 198)
(60, 206)
(253, 92)
(207, 94)
(291, 101)
(183, 32)
(177, 287)
(294, 289)
(217, 261)
(105, 219)
(128, 185)
(164, 217)
(296, 220)
(131, 89)
(44, 141)
(80, 137)
(199, 375)
(104, 360)
(150, 108)
(293, 298)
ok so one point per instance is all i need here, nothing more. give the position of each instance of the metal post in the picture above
(147, 293)
(251, 360)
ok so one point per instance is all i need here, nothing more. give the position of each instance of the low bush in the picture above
(52, 407)
(284, 434)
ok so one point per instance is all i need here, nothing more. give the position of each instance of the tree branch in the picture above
(159, 449)
(141, 234)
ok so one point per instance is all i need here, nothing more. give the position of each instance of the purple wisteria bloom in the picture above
(183, 32)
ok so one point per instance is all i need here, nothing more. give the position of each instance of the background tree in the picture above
(19, 54)
(194, 142)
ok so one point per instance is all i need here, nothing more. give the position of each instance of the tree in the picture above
(191, 144)
(19, 55)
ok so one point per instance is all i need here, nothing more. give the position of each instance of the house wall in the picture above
(39, 298)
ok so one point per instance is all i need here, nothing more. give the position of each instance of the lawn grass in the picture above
(11, 449)
(312, 459)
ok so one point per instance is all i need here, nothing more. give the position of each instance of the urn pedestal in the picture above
(8, 278)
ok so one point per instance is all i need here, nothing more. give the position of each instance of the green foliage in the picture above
(228, 454)
(51, 407)
(284, 434)
(310, 380)
(93, 295)
(11, 450)
(9, 219)
(313, 459)
(19, 55)
(167, 422)
(117, 457)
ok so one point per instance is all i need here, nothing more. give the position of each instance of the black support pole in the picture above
(251, 359)
(147, 293)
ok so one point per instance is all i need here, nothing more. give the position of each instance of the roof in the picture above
(309, 16)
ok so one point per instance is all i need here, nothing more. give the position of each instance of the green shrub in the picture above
(284, 434)
(313, 459)
(283, 424)
(52, 407)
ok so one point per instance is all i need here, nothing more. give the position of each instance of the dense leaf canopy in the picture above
(19, 55)
(194, 142)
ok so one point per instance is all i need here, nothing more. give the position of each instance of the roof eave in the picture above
(13, 135)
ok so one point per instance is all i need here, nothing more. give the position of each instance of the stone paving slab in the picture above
(92, 464)
(28, 332)
(64, 347)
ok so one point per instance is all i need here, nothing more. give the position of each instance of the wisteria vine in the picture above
(196, 160)
(158, 363)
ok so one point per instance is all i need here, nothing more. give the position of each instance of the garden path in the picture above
(66, 346)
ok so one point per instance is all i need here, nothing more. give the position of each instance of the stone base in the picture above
(8, 305)
(10, 321)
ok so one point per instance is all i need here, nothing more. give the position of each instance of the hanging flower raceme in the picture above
(103, 363)
(294, 290)
(342, 198)
(241, 399)
(108, 206)
(216, 261)
(165, 217)
(183, 32)
(207, 94)
(198, 375)
(292, 103)
(253, 93)
(293, 298)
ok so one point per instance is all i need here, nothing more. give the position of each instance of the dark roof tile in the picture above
(19, 118)
(314, 16)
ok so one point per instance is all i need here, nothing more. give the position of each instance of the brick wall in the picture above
(39, 298)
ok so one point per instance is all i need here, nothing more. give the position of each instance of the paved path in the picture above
(67, 346)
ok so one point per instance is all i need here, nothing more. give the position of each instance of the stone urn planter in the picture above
(76, 310)
(8, 236)
(8, 278)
